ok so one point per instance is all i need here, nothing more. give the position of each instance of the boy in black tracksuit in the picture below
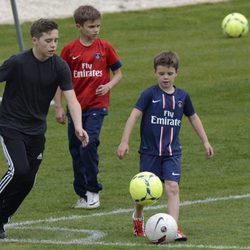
(32, 78)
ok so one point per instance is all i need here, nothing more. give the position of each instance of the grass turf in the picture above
(214, 70)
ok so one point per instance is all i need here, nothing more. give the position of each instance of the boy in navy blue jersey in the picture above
(162, 107)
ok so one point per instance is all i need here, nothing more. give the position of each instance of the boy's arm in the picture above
(123, 148)
(76, 114)
(198, 127)
(104, 89)
(59, 110)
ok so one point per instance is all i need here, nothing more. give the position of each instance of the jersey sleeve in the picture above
(113, 59)
(7, 69)
(64, 53)
(65, 82)
(144, 100)
(188, 107)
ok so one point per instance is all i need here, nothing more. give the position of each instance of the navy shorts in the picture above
(166, 168)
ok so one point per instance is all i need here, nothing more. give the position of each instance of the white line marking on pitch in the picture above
(174, 246)
(96, 234)
(121, 211)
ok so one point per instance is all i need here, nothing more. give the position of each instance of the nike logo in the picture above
(155, 101)
(175, 174)
(75, 57)
(160, 218)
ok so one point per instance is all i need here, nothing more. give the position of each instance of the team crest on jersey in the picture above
(180, 103)
(98, 55)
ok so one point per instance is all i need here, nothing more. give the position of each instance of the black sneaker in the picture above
(3, 235)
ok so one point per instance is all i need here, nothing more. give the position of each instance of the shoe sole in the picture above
(96, 205)
(181, 239)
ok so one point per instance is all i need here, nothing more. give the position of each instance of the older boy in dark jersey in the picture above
(91, 60)
(32, 78)
(162, 107)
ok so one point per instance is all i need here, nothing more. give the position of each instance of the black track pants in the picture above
(24, 155)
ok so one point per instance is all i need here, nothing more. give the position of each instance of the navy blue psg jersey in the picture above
(161, 120)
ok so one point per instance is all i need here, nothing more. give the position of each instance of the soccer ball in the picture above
(235, 25)
(161, 228)
(145, 188)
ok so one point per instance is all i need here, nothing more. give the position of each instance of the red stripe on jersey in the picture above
(163, 101)
(173, 102)
(161, 142)
(170, 141)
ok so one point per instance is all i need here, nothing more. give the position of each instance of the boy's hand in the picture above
(209, 150)
(82, 135)
(102, 90)
(122, 150)
(60, 115)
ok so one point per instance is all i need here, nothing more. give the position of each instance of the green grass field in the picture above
(215, 193)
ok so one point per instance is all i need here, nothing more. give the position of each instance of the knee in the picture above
(172, 188)
(25, 178)
(22, 171)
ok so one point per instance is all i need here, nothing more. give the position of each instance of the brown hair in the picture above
(42, 25)
(167, 58)
(86, 13)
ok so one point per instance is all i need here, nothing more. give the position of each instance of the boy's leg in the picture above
(147, 163)
(24, 156)
(89, 160)
(89, 154)
(138, 221)
(172, 174)
(92, 123)
(78, 168)
(172, 191)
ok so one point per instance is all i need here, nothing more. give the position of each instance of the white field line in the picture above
(95, 235)
(172, 246)
(128, 210)
(125, 244)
